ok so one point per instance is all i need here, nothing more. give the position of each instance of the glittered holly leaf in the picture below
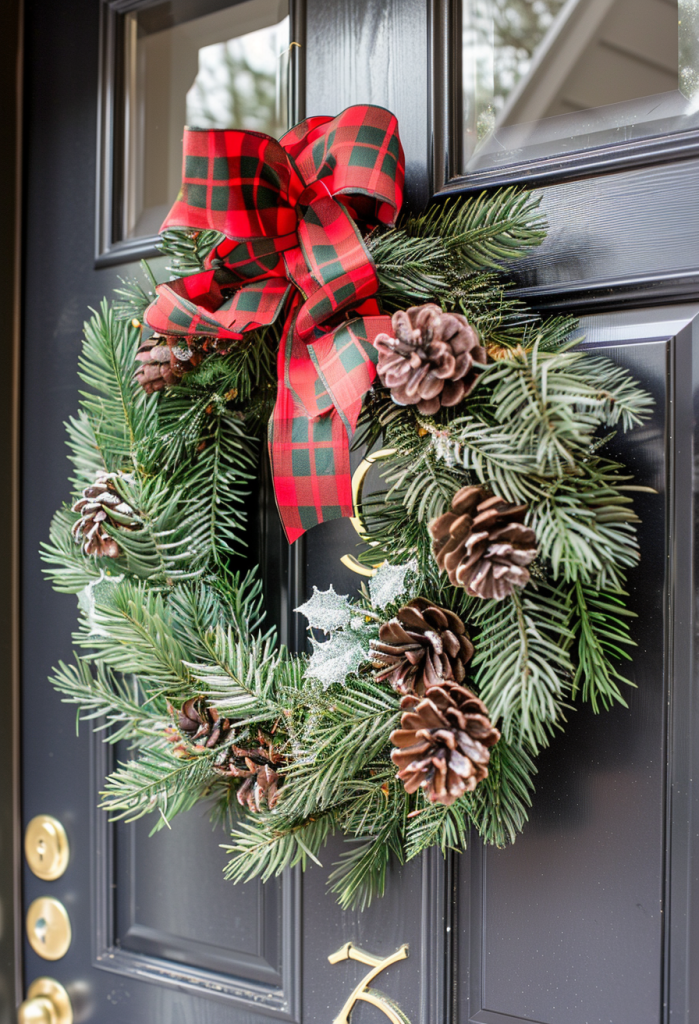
(389, 582)
(332, 661)
(326, 610)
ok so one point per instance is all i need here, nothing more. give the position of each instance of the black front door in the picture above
(589, 917)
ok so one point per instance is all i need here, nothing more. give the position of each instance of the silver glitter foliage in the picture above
(390, 581)
(327, 610)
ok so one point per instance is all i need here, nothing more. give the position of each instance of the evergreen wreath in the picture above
(501, 542)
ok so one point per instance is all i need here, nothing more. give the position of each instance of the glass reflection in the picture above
(544, 77)
(241, 83)
(225, 67)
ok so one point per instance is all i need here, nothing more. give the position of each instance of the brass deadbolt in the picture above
(48, 928)
(47, 1002)
(46, 847)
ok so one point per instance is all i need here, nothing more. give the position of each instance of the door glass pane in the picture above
(203, 64)
(545, 77)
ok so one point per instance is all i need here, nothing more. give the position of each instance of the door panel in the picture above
(589, 917)
(570, 925)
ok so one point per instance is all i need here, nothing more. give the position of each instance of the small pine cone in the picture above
(101, 503)
(443, 743)
(483, 545)
(423, 646)
(258, 768)
(164, 361)
(200, 724)
(429, 362)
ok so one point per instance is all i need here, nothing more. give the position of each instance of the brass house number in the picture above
(362, 990)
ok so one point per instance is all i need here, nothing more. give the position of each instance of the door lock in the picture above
(47, 1002)
(48, 928)
(46, 847)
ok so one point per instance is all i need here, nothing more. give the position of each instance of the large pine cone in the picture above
(443, 743)
(429, 362)
(483, 545)
(424, 645)
(101, 503)
(164, 361)
(258, 768)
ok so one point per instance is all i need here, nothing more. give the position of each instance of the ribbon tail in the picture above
(319, 396)
(308, 449)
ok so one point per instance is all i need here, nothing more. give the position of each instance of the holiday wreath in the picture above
(499, 543)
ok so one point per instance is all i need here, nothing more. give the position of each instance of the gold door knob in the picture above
(47, 1002)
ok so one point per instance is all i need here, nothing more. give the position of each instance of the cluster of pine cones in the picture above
(443, 744)
(200, 727)
(434, 361)
(164, 360)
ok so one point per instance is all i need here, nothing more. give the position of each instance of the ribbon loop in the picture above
(291, 211)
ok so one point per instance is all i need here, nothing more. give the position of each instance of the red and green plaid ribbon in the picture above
(293, 212)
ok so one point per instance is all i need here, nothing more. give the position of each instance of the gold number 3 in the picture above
(362, 991)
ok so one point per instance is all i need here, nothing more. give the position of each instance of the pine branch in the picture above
(263, 846)
(600, 622)
(360, 874)
(157, 781)
(241, 677)
(437, 825)
(498, 807)
(187, 249)
(523, 670)
(114, 703)
(116, 406)
(484, 231)
(132, 298)
(137, 637)
(68, 569)
(348, 728)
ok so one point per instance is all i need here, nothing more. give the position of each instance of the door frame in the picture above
(10, 293)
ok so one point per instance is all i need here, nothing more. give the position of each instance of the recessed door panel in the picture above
(568, 925)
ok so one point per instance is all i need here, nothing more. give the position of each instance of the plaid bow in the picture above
(290, 211)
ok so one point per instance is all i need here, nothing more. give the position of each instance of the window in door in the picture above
(542, 78)
(201, 63)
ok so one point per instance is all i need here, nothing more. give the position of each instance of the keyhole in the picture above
(41, 928)
(41, 847)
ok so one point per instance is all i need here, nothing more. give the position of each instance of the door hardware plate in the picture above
(46, 847)
(48, 928)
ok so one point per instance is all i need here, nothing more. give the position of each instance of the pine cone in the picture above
(482, 544)
(443, 743)
(258, 768)
(164, 361)
(429, 362)
(200, 727)
(102, 503)
(423, 646)
(200, 724)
